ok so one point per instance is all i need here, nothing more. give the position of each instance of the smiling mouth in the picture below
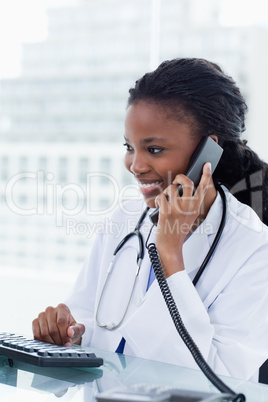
(148, 185)
(150, 188)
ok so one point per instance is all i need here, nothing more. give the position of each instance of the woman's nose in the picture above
(138, 165)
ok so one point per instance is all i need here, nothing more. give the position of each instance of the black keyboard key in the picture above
(42, 352)
(28, 349)
(53, 354)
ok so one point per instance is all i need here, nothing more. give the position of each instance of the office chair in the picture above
(263, 373)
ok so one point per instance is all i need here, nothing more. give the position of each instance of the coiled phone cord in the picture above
(186, 337)
(175, 315)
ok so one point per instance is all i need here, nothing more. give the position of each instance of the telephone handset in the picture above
(207, 150)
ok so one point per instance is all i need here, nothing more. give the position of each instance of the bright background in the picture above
(65, 71)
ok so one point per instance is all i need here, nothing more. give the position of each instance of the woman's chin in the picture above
(150, 201)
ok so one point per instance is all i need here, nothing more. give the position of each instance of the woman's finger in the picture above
(43, 329)
(204, 182)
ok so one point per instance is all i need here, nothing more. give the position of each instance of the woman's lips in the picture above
(150, 187)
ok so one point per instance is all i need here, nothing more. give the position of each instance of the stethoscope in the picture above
(136, 232)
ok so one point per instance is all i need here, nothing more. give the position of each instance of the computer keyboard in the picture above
(44, 354)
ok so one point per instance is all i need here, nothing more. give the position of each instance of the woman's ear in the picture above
(214, 137)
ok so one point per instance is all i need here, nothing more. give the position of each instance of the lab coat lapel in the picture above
(198, 244)
(146, 263)
(195, 250)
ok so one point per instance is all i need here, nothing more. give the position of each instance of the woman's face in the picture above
(158, 147)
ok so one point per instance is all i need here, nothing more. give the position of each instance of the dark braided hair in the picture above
(198, 92)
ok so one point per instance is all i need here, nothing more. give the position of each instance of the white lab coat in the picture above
(226, 314)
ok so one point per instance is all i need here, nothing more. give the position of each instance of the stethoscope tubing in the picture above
(136, 232)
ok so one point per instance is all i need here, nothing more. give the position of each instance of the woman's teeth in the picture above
(143, 185)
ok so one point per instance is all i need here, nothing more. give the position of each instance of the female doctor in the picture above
(224, 307)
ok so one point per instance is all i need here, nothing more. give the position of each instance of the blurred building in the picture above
(68, 105)
(74, 85)
(55, 199)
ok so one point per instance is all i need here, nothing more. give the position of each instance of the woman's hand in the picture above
(57, 325)
(178, 217)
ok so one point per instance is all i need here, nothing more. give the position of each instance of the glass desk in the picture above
(25, 383)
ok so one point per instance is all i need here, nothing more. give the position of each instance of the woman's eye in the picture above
(128, 147)
(155, 150)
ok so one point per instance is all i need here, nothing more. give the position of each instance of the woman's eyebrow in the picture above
(151, 139)
(154, 139)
